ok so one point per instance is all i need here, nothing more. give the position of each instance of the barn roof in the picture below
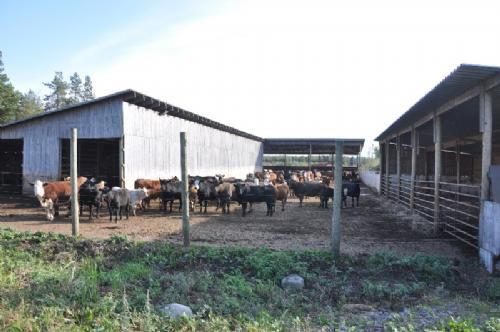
(139, 99)
(462, 79)
(311, 145)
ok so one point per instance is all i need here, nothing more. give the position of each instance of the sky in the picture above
(273, 68)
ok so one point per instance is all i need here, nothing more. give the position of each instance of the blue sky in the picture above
(274, 68)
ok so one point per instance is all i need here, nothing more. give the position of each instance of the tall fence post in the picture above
(75, 215)
(414, 148)
(337, 198)
(185, 194)
(398, 167)
(437, 170)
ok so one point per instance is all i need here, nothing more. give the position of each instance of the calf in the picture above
(153, 187)
(352, 190)
(136, 198)
(224, 192)
(118, 200)
(246, 193)
(325, 194)
(282, 192)
(52, 195)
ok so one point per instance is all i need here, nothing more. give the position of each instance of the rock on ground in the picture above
(292, 281)
(176, 310)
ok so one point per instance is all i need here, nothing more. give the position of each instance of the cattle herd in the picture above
(261, 187)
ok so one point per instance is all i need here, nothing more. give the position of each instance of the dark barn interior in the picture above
(11, 165)
(98, 158)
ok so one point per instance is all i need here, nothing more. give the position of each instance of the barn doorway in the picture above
(98, 158)
(11, 166)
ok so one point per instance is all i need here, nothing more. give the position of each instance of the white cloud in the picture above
(303, 69)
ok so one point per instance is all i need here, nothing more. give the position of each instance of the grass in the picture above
(55, 282)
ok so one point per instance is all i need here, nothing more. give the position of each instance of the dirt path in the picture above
(373, 226)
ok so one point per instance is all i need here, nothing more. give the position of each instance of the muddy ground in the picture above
(373, 226)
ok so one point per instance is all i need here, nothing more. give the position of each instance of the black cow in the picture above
(306, 189)
(245, 193)
(118, 200)
(325, 194)
(206, 191)
(171, 190)
(351, 189)
(90, 196)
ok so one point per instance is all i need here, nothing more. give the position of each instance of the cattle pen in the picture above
(438, 158)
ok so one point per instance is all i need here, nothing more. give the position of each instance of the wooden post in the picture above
(121, 161)
(382, 161)
(414, 148)
(337, 198)
(387, 168)
(398, 166)
(75, 215)
(185, 193)
(487, 126)
(437, 170)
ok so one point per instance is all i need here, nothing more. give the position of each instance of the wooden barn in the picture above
(441, 157)
(122, 137)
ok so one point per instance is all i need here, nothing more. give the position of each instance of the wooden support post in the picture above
(486, 116)
(437, 170)
(414, 148)
(398, 167)
(387, 168)
(185, 193)
(121, 161)
(382, 163)
(75, 215)
(337, 198)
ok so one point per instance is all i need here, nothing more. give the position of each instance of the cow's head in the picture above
(145, 191)
(38, 187)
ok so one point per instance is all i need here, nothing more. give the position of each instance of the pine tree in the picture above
(9, 97)
(30, 105)
(58, 97)
(75, 89)
(88, 91)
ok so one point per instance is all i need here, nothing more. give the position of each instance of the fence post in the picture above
(414, 148)
(185, 194)
(75, 215)
(398, 166)
(337, 198)
(437, 170)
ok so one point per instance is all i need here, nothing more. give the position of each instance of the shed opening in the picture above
(11, 165)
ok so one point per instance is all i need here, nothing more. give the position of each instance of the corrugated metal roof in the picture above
(139, 99)
(313, 145)
(463, 78)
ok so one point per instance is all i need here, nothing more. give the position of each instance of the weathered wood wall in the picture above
(42, 137)
(152, 147)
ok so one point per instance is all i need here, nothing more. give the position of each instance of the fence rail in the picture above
(458, 204)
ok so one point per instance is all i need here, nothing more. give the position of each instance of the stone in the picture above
(292, 281)
(357, 307)
(175, 310)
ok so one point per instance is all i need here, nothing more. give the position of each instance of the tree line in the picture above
(16, 105)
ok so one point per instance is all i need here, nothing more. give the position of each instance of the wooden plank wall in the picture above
(152, 148)
(42, 137)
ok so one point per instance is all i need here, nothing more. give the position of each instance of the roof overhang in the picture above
(465, 81)
(311, 145)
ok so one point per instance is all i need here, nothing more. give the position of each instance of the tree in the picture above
(75, 89)
(88, 91)
(30, 104)
(59, 93)
(9, 97)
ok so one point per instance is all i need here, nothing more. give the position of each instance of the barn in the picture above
(122, 137)
(441, 158)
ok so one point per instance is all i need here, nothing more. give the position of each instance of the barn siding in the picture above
(152, 147)
(41, 152)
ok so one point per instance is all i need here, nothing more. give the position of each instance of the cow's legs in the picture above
(127, 210)
(180, 204)
(300, 200)
(357, 201)
(244, 208)
(90, 212)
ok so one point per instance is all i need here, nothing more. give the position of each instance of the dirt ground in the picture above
(373, 226)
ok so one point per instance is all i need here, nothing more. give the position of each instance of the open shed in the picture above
(436, 156)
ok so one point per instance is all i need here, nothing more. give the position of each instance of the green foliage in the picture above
(58, 95)
(379, 291)
(88, 90)
(9, 97)
(30, 104)
(75, 89)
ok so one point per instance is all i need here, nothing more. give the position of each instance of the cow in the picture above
(153, 187)
(224, 192)
(282, 191)
(91, 194)
(325, 194)
(206, 191)
(306, 189)
(52, 195)
(171, 190)
(137, 197)
(351, 189)
(245, 193)
(118, 200)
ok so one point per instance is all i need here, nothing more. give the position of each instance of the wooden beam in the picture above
(437, 170)
(337, 199)
(398, 167)
(185, 192)
(75, 215)
(387, 168)
(414, 149)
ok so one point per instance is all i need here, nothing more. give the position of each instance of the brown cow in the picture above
(282, 192)
(153, 187)
(53, 194)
